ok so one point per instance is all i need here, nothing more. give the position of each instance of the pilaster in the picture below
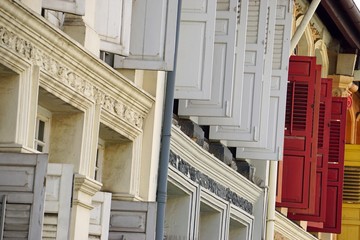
(84, 189)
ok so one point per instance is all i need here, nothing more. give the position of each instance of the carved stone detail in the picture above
(209, 183)
(316, 35)
(68, 77)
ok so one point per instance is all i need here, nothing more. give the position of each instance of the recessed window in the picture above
(99, 160)
(42, 133)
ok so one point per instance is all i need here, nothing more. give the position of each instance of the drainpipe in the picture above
(302, 26)
(165, 140)
(270, 222)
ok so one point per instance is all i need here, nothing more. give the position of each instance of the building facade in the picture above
(84, 88)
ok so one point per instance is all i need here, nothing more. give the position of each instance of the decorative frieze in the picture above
(68, 77)
(209, 183)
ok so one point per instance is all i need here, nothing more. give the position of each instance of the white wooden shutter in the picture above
(195, 50)
(132, 220)
(152, 38)
(248, 123)
(275, 136)
(22, 180)
(112, 23)
(68, 6)
(59, 180)
(100, 216)
(221, 97)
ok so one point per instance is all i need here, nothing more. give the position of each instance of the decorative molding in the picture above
(278, 236)
(316, 35)
(68, 77)
(206, 163)
(86, 185)
(286, 229)
(209, 183)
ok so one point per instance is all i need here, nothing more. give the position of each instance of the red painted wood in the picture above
(335, 178)
(299, 162)
(318, 212)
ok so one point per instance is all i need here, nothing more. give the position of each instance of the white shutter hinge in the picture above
(255, 136)
(227, 109)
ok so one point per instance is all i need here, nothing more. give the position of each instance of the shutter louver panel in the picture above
(249, 122)
(112, 23)
(221, 98)
(76, 7)
(57, 201)
(281, 51)
(195, 50)
(22, 181)
(299, 165)
(351, 192)
(335, 180)
(152, 36)
(318, 212)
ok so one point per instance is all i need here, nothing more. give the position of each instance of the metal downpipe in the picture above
(165, 140)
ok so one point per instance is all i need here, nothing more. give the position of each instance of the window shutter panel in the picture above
(335, 177)
(300, 107)
(195, 51)
(219, 104)
(57, 201)
(273, 150)
(318, 213)
(100, 216)
(76, 7)
(23, 177)
(112, 23)
(252, 59)
(152, 38)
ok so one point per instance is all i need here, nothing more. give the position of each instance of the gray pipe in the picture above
(165, 140)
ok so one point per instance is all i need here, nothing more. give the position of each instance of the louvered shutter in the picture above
(244, 121)
(230, 25)
(152, 38)
(300, 106)
(22, 181)
(273, 150)
(195, 51)
(57, 201)
(335, 178)
(318, 212)
(68, 6)
(112, 23)
(100, 216)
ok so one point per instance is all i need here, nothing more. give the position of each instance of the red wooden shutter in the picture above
(298, 145)
(317, 214)
(335, 178)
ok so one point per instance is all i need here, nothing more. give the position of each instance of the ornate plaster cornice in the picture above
(69, 64)
(208, 164)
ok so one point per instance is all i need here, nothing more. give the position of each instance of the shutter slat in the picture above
(332, 223)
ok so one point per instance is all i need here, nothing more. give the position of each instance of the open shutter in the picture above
(195, 50)
(228, 20)
(22, 181)
(335, 178)
(273, 150)
(300, 107)
(251, 123)
(152, 38)
(76, 7)
(318, 213)
(244, 111)
(132, 220)
(100, 216)
(57, 201)
(112, 23)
